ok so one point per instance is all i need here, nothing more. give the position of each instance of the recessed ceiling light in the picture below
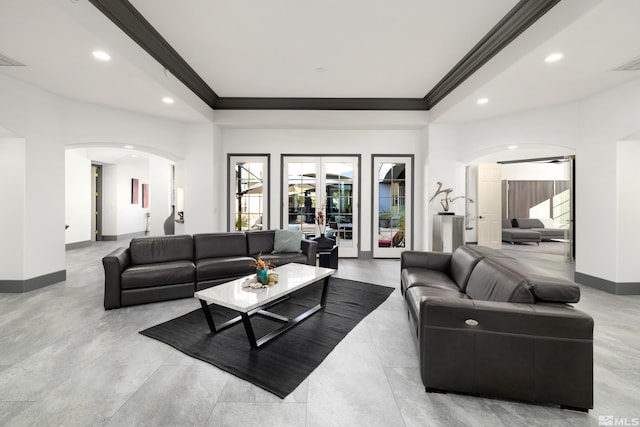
(321, 70)
(482, 101)
(134, 155)
(101, 55)
(553, 57)
(168, 100)
(512, 147)
(128, 146)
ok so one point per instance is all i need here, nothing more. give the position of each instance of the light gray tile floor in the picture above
(64, 360)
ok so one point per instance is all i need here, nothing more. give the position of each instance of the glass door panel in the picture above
(392, 210)
(339, 203)
(248, 207)
(301, 197)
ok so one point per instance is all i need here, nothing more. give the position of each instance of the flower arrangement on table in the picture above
(262, 278)
(320, 220)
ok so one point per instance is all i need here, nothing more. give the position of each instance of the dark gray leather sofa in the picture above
(519, 235)
(485, 324)
(534, 224)
(161, 268)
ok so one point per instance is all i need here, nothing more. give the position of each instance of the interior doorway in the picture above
(542, 188)
(96, 202)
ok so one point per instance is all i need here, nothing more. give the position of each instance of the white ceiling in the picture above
(368, 48)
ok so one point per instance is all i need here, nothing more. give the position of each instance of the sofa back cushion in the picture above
(150, 250)
(506, 223)
(527, 223)
(462, 264)
(544, 288)
(216, 245)
(491, 281)
(260, 241)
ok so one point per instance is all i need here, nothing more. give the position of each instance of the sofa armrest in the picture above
(431, 260)
(533, 352)
(310, 249)
(549, 320)
(114, 264)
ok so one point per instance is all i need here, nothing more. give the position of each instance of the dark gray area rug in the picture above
(282, 364)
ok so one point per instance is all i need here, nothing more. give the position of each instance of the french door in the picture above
(392, 209)
(328, 184)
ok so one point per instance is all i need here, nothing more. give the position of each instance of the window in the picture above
(248, 192)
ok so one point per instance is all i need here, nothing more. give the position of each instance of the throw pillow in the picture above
(287, 241)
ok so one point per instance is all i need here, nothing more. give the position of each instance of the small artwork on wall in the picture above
(145, 195)
(134, 191)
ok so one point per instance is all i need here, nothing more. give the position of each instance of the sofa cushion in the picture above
(491, 281)
(527, 223)
(151, 250)
(463, 262)
(166, 273)
(222, 267)
(260, 242)
(216, 245)
(287, 241)
(416, 276)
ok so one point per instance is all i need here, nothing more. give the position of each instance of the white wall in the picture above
(605, 119)
(627, 194)
(318, 142)
(197, 175)
(77, 196)
(46, 123)
(592, 128)
(442, 166)
(34, 115)
(160, 194)
(536, 171)
(12, 214)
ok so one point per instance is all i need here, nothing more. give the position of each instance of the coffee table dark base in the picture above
(245, 318)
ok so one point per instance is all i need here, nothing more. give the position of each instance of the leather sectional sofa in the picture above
(518, 235)
(168, 267)
(486, 324)
(535, 225)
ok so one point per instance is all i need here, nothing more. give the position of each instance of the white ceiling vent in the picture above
(5, 61)
(633, 65)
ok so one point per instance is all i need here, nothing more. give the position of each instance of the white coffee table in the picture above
(247, 301)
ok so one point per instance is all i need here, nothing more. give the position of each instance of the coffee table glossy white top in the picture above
(291, 277)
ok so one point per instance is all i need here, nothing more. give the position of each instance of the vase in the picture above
(262, 276)
(324, 242)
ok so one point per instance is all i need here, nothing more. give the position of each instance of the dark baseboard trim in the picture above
(20, 286)
(110, 238)
(617, 288)
(470, 243)
(77, 245)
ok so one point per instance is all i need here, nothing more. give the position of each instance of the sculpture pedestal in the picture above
(448, 232)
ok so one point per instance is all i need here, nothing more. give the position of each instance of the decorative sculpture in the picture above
(446, 200)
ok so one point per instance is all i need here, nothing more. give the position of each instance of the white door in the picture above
(489, 205)
(328, 184)
(391, 206)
